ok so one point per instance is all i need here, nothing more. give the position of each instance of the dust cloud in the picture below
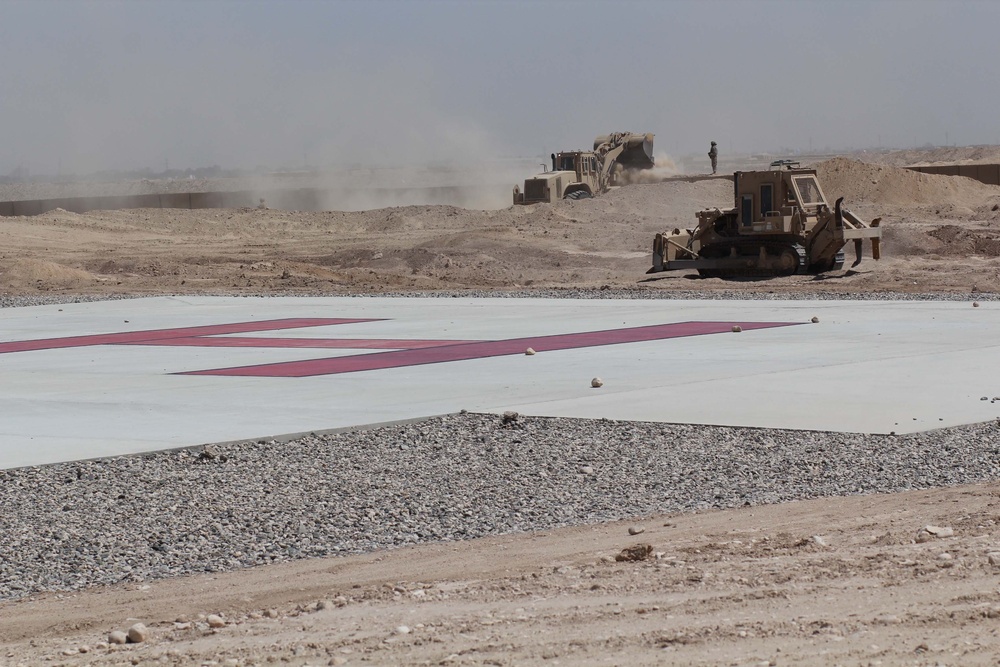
(664, 167)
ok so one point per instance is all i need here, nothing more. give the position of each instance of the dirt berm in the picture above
(940, 235)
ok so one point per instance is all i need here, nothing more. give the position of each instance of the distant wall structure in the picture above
(986, 173)
(300, 199)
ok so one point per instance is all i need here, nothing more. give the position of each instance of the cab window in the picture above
(808, 188)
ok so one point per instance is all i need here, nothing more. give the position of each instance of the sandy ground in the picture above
(751, 586)
(831, 581)
(941, 234)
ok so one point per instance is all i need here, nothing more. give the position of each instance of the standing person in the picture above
(713, 153)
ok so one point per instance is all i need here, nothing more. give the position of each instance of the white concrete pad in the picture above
(865, 367)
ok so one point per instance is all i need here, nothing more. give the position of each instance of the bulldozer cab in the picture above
(775, 201)
(579, 162)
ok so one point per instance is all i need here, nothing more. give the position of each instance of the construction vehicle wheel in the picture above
(583, 194)
(789, 262)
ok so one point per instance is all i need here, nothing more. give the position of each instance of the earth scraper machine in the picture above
(781, 225)
(583, 174)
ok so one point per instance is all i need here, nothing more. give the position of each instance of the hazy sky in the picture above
(99, 85)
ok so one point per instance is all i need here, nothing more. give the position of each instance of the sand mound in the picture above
(859, 182)
(33, 272)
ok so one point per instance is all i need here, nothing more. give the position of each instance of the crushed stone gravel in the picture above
(68, 526)
(16, 301)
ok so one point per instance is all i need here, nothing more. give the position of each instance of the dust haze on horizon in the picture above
(92, 86)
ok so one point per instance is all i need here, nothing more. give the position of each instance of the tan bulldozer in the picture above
(781, 225)
(583, 174)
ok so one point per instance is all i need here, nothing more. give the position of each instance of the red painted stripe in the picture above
(335, 343)
(483, 349)
(152, 335)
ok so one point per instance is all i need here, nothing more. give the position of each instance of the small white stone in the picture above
(737, 328)
(117, 637)
(945, 556)
(994, 557)
(402, 630)
(820, 540)
(636, 530)
(587, 470)
(215, 621)
(597, 382)
(529, 352)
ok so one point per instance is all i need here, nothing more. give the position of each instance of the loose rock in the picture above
(814, 320)
(215, 621)
(928, 533)
(529, 352)
(117, 637)
(636, 530)
(737, 328)
(597, 382)
(635, 553)
(138, 633)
